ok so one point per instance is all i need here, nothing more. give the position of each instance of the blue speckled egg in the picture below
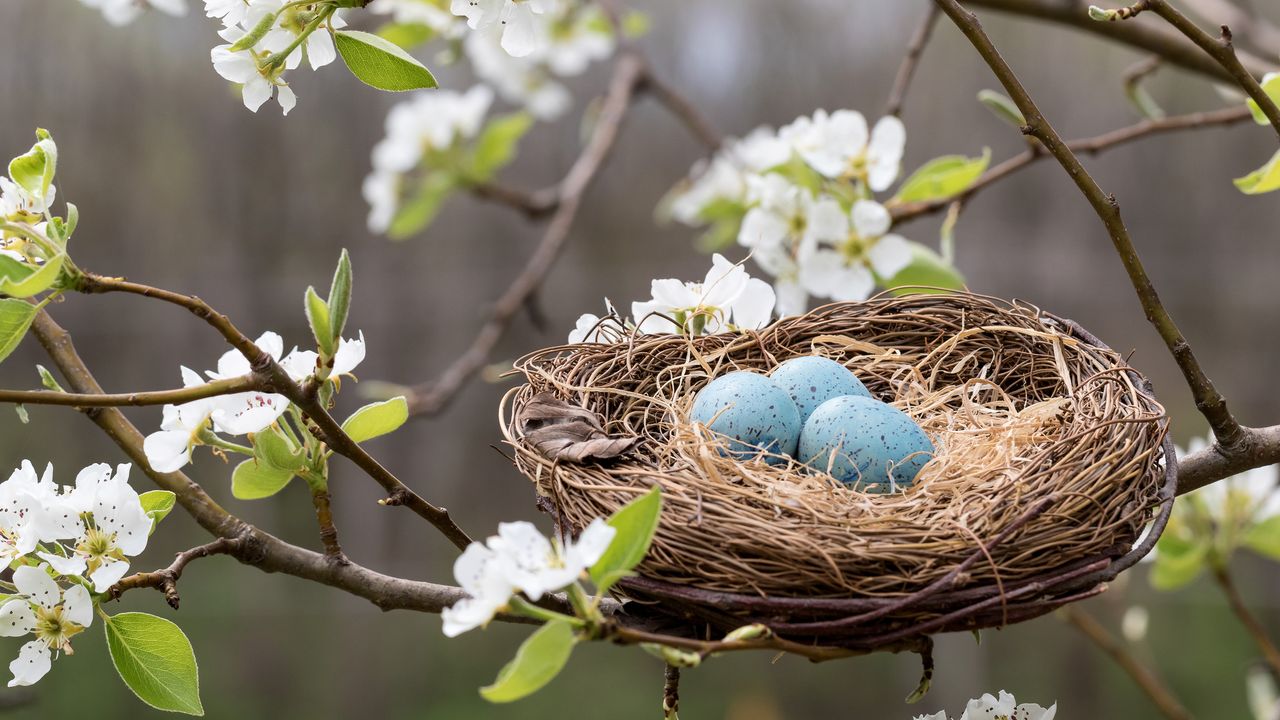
(813, 380)
(863, 442)
(751, 410)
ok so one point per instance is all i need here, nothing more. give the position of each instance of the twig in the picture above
(680, 106)
(534, 205)
(166, 580)
(1145, 679)
(1263, 34)
(1210, 403)
(435, 396)
(274, 378)
(320, 498)
(246, 383)
(1153, 39)
(1222, 50)
(671, 692)
(907, 69)
(1092, 145)
(1269, 651)
(1256, 447)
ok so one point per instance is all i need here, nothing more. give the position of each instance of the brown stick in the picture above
(229, 386)
(320, 498)
(1143, 677)
(1259, 634)
(435, 396)
(907, 69)
(671, 692)
(166, 580)
(1210, 403)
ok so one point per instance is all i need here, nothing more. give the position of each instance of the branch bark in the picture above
(1210, 403)
(907, 70)
(1144, 678)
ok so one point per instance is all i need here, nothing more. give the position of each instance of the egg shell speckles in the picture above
(862, 442)
(751, 410)
(813, 380)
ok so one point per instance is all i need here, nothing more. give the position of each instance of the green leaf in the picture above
(636, 523)
(1264, 538)
(1173, 568)
(407, 35)
(34, 171)
(35, 281)
(1271, 86)
(255, 34)
(15, 318)
(318, 318)
(377, 419)
(926, 268)
(1002, 107)
(21, 410)
(496, 146)
(155, 659)
(73, 219)
(418, 213)
(252, 480)
(380, 63)
(943, 177)
(157, 504)
(1142, 101)
(1263, 180)
(272, 449)
(340, 295)
(540, 658)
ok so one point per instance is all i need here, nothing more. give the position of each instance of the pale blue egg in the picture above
(863, 442)
(751, 410)
(812, 380)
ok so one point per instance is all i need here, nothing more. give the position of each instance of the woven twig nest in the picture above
(1051, 457)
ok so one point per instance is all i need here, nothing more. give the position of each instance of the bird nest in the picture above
(1051, 456)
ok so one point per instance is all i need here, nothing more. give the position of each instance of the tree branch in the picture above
(1156, 40)
(1255, 448)
(246, 383)
(166, 580)
(1210, 403)
(907, 70)
(1222, 50)
(1144, 678)
(1259, 634)
(433, 397)
(274, 378)
(1093, 146)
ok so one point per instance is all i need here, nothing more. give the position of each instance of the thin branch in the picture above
(321, 500)
(1256, 447)
(275, 379)
(1210, 403)
(435, 396)
(1092, 146)
(1223, 51)
(907, 69)
(1262, 33)
(245, 383)
(1259, 634)
(533, 205)
(1153, 39)
(166, 580)
(1143, 677)
(671, 692)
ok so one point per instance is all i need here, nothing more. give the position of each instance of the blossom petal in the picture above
(870, 218)
(889, 255)
(754, 307)
(74, 565)
(36, 584)
(16, 619)
(349, 355)
(77, 605)
(33, 661)
(108, 574)
(167, 450)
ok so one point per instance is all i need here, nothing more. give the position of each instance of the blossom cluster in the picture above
(1004, 707)
(802, 200)
(421, 130)
(258, 60)
(519, 559)
(200, 421)
(123, 12)
(62, 542)
(727, 299)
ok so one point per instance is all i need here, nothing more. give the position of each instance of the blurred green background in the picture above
(180, 186)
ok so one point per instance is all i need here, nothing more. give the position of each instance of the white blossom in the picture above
(1004, 707)
(522, 81)
(519, 559)
(118, 528)
(429, 121)
(15, 201)
(123, 12)
(858, 249)
(838, 146)
(431, 13)
(241, 67)
(230, 12)
(53, 615)
(728, 296)
(521, 25)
